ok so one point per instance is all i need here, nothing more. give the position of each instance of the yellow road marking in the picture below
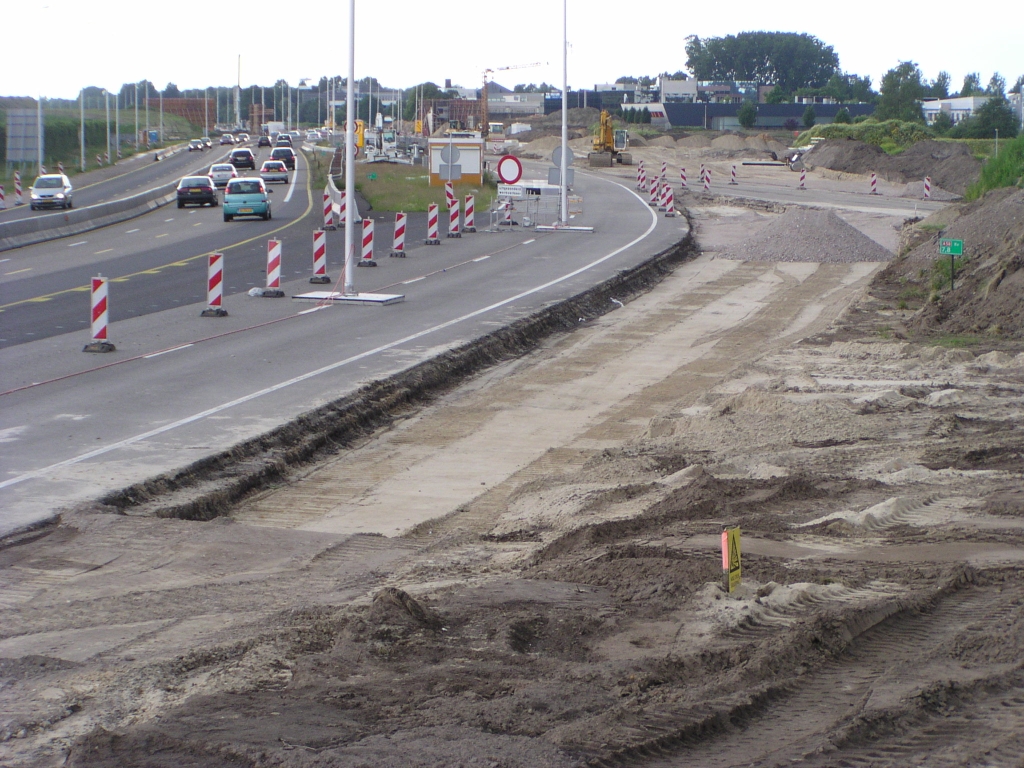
(19, 271)
(183, 262)
(150, 272)
(105, 250)
(124, 279)
(159, 236)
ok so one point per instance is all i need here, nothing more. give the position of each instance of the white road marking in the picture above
(414, 280)
(4, 260)
(291, 185)
(531, 240)
(166, 220)
(339, 364)
(166, 351)
(482, 258)
(80, 242)
(130, 231)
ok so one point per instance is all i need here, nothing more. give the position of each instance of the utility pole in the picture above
(106, 101)
(39, 133)
(565, 114)
(206, 111)
(136, 103)
(238, 93)
(161, 137)
(81, 136)
(117, 124)
(350, 154)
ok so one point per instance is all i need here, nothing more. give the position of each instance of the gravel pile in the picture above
(802, 234)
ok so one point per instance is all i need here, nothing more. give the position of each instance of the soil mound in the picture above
(697, 141)
(729, 141)
(759, 142)
(949, 164)
(988, 297)
(636, 140)
(802, 234)
(662, 141)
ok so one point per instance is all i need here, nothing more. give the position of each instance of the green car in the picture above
(247, 196)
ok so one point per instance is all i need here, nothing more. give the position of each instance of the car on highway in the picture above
(284, 140)
(197, 190)
(264, 141)
(227, 138)
(285, 154)
(274, 170)
(312, 136)
(243, 158)
(247, 196)
(51, 190)
(242, 138)
(207, 142)
(222, 173)
(196, 144)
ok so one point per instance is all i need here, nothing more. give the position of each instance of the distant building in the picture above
(676, 91)
(959, 108)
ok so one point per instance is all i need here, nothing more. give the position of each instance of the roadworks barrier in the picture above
(210, 487)
(75, 221)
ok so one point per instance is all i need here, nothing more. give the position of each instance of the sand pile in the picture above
(540, 149)
(950, 164)
(803, 234)
(759, 142)
(662, 141)
(989, 294)
(636, 140)
(697, 141)
(729, 141)
(915, 190)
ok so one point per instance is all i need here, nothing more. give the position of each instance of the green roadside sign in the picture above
(949, 247)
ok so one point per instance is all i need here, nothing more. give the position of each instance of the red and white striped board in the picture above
(99, 159)
(663, 197)
(507, 214)
(733, 180)
(874, 184)
(643, 180)
(100, 315)
(803, 179)
(3, 199)
(453, 218)
(18, 199)
(319, 257)
(328, 211)
(927, 187)
(682, 177)
(469, 215)
(273, 289)
(398, 243)
(214, 286)
(664, 170)
(432, 228)
(655, 192)
(449, 194)
(60, 167)
(670, 201)
(341, 209)
(367, 258)
(707, 180)
(703, 173)
(106, 157)
(639, 173)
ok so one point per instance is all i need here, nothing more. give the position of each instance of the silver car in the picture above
(222, 173)
(274, 170)
(51, 190)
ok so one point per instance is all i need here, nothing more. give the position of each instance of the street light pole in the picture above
(161, 118)
(106, 101)
(117, 124)
(136, 117)
(39, 133)
(81, 135)
(350, 154)
(565, 115)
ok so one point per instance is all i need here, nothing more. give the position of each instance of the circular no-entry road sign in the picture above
(510, 170)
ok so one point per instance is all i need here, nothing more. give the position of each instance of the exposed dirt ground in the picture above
(527, 572)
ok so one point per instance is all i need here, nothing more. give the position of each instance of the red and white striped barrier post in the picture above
(273, 289)
(682, 177)
(639, 173)
(670, 201)
(663, 196)
(469, 215)
(98, 317)
(432, 234)
(733, 180)
(319, 258)
(874, 184)
(60, 167)
(18, 199)
(643, 179)
(99, 159)
(803, 179)
(655, 192)
(341, 209)
(927, 187)
(664, 170)
(214, 286)
(703, 173)
(507, 214)
(453, 218)
(367, 259)
(449, 194)
(398, 242)
(707, 180)
(328, 211)
(3, 200)
(106, 157)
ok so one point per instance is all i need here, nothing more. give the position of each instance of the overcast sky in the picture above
(55, 47)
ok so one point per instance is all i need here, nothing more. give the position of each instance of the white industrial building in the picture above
(959, 108)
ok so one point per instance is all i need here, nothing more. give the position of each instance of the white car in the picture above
(242, 138)
(51, 190)
(222, 173)
(274, 170)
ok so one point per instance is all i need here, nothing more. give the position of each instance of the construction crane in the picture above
(484, 114)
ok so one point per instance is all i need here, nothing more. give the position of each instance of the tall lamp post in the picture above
(106, 101)
(81, 128)
(136, 117)
(350, 154)
(564, 192)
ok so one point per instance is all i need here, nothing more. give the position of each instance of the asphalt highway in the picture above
(128, 177)
(74, 425)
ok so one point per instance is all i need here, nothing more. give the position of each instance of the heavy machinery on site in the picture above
(610, 145)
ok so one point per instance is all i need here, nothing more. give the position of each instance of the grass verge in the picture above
(1006, 170)
(395, 187)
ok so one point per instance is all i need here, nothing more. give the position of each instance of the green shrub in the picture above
(842, 116)
(1006, 170)
(890, 135)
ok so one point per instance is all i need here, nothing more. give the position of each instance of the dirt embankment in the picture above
(949, 164)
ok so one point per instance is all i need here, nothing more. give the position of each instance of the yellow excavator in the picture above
(610, 145)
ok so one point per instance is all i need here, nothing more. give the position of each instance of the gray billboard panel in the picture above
(23, 139)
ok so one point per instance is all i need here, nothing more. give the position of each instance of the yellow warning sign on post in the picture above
(731, 557)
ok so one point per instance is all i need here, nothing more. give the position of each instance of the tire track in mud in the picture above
(894, 680)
